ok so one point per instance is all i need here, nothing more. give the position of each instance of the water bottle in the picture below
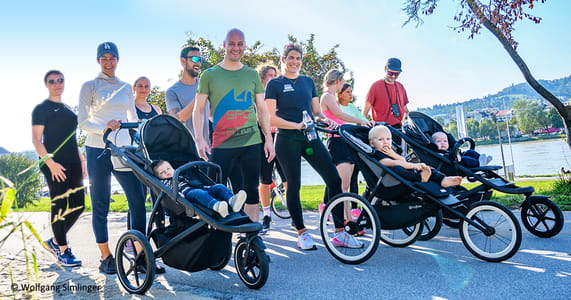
(309, 130)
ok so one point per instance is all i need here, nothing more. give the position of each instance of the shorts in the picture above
(339, 150)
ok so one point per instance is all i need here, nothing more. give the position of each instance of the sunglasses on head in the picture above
(393, 73)
(195, 59)
(52, 81)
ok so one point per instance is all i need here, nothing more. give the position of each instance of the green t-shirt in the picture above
(232, 95)
(353, 111)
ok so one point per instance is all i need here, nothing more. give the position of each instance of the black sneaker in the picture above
(108, 266)
(266, 222)
(141, 268)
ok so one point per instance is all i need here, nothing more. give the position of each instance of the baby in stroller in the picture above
(469, 158)
(216, 197)
(380, 138)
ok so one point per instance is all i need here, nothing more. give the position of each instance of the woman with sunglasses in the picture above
(288, 98)
(53, 135)
(387, 98)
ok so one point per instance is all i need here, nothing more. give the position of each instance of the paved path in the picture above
(438, 269)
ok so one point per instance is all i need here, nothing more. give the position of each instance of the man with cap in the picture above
(387, 98)
(104, 103)
(180, 97)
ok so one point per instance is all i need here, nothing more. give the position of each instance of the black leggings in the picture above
(74, 179)
(242, 165)
(289, 150)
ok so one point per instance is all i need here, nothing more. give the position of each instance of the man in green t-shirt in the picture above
(236, 98)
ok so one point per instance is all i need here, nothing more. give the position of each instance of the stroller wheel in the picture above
(402, 237)
(542, 217)
(452, 223)
(431, 227)
(252, 263)
(136, 268)
(361, 235)
(501, 236)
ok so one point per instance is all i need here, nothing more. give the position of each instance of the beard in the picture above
(192, 72)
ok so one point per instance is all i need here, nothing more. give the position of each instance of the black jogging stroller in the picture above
(539, 215)
(196, 238)
(489, 230)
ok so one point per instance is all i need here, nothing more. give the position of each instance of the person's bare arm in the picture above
(264, 121)
(56, 169)
(198, 124)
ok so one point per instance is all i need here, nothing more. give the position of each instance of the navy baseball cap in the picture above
(394, 64)
(107, 47)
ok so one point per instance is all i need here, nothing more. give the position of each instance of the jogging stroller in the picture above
(196, 237)
(539, 215)
(489, 230)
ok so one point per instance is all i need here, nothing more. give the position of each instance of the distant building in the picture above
(504, 115)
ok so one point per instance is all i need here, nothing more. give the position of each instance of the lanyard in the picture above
(389, 94)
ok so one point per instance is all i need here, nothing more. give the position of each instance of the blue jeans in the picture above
(208, 196)
(99, 169)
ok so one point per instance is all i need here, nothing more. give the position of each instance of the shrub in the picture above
(562, 190)
(28, 183)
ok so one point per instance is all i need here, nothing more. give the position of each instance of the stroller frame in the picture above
(539, 215)
(136, 271)
(476, 229)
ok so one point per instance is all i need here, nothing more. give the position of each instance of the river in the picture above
(544, 157)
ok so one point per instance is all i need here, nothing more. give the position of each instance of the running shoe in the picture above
(108, 265)
(67, 259)
(266, 222)
(305, 242)
(343, 239)
(51, 246)
(221, 207)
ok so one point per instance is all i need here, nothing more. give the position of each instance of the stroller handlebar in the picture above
(323, 127)
(124, 125)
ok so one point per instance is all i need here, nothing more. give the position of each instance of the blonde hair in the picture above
(375, 130)
(437, 134)
(331, 76)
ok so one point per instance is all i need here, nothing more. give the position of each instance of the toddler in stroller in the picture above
(381, 139)
(469, 158)
(216, 197)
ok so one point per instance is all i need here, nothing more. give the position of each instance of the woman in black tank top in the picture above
(142, 89)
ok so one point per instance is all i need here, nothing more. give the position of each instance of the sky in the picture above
(440, 66)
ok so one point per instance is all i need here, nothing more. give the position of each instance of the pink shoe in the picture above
(355, 212)
(321, 208)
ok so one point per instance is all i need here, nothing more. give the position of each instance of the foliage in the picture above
(27, 183)
(530, 115)
(561, 190)
(473, 128)
(314, 64)
(157, 97)
(554, 118)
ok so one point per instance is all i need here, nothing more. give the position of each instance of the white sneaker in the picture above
(343, 239)
(489, 159)
(221, 207)
(305, 242)
(483, 160)
(237, 201)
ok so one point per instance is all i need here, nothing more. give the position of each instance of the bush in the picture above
(27, 184)
(562, 190)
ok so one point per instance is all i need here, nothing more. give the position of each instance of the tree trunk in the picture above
(561, 109)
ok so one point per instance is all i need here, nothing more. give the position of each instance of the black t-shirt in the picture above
(292, 96)
(59, 123)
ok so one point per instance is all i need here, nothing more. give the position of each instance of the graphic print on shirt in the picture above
(228, 121)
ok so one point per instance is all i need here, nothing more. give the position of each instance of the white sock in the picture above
(266, 210)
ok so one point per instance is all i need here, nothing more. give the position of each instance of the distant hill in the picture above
(561, 88)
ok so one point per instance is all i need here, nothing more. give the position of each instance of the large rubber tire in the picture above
(135, 270)
(365, 228)
(431, 227)
(278, 202)
(452, 223)
(402, 237)
(252, 263)
(504, 239)
(542, 217)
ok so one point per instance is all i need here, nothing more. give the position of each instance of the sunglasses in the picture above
(392, 73)
(53, 81)
(195, 59)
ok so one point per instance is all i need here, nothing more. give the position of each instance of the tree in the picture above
(499, 17)
(314, 64)
(452, 128)
(530, 115)
(473, 128)
(27, 184)
(554, 118)
(487, 128)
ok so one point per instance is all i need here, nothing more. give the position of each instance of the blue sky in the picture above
(440, 65)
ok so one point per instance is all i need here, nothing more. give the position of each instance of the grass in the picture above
(312, 195)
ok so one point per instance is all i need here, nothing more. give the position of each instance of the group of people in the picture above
(241, 119)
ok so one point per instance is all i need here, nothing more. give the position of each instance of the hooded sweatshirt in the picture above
(101, 100)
